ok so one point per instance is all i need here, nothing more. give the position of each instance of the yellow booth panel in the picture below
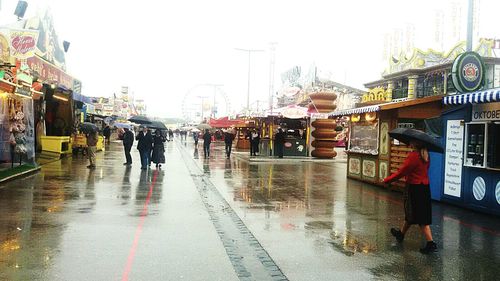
(61, 145)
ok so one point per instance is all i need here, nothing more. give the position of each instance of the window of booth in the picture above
(475, 149)
(482, 135)
(493, 152)
(364, 135)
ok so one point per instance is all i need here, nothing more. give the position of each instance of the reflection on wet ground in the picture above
(71, 223)
(318, 225)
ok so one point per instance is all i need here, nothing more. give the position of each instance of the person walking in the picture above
(144, 145)
(228, 140)
(128, 141)
(196, 137)
(158, 149)
(92, 138)
(279, 140)
(207, 139)
(107, 134)
(417, 195)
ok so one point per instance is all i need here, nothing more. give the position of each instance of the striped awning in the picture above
(364, 109)
(490, 95)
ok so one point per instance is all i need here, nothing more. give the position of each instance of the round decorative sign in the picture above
(468, 72)
(497, 192)
(479, 188)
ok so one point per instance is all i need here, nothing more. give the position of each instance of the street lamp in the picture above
(249, 51)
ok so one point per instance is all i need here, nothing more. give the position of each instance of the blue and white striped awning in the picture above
(490, 95)
(364, 109)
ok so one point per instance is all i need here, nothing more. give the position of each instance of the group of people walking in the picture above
(151, 148)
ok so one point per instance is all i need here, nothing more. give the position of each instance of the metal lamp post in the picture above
(249, 51)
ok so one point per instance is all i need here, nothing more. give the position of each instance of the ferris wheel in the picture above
(204, 101)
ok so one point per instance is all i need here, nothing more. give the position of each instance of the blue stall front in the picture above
(471, 131)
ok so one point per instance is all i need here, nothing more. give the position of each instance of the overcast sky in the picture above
(162, 49)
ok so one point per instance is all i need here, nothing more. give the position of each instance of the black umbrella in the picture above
(157, 125)
(88, 127)
(139, 119)
(407, 135)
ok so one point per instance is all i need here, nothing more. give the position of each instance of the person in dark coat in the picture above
(417, 195)
(207, 139)
(196, 136)
(128, 141)
(279, 140)
(228, 140)
(158, 156)
(107, 134)
(254, 142)
(144, 145)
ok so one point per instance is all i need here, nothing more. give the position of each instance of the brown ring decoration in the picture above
(324, 144)
(324, 134)
(324, 153)
(323, 96)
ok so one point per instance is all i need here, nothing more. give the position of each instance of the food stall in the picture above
(372, 155)
(242, 128)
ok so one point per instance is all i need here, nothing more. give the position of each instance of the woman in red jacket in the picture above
(417, 195)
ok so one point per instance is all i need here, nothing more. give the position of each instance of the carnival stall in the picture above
(471, 129)
(372, 155)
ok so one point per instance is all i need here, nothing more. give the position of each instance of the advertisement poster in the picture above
(23, 43)
(453, 157)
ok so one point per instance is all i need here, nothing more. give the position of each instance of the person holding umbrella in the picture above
(92, 138)
(417, 194)
(158, 156)
(144, 145)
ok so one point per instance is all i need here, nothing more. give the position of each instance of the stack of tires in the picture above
(324, 129)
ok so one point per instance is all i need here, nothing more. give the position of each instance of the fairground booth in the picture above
(409, 95)
(18, 92)
(471, 129)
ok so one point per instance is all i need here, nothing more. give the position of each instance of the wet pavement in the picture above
(225, 219)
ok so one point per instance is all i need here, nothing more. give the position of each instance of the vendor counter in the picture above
(294, 147)
(80, 141)
(61, 145)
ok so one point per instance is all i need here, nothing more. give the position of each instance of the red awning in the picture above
(223, 122)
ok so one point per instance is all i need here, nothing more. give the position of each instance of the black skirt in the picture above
(417, 201)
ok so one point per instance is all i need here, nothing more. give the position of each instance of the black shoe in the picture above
(91, 166)
(398, 234)
(126, 164)
(430, 247)
(144, 168)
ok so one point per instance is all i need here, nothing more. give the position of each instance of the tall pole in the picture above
(248, 81)
(271, 75)
(470, 18)
(249, 51)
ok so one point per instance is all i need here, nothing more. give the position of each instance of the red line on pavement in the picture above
(138, 231)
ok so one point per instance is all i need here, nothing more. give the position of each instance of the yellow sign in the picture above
(4, 48)
(375, 94)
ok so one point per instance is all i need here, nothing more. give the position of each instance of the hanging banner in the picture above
(50, 73)
(23, 43)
